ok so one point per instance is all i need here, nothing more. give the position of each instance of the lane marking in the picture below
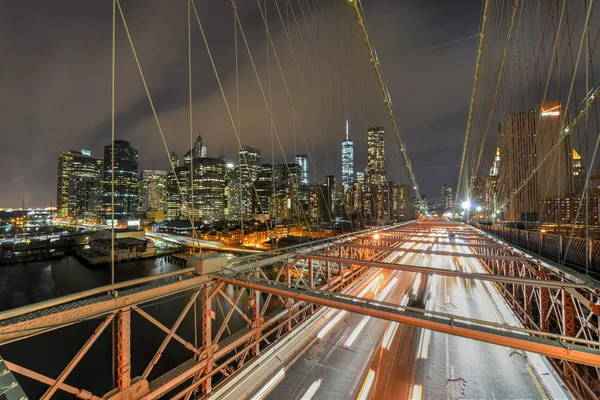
(262, 393)
(366, 387)
(537, 383)
(417, 392)
(389, 335)
(312, 390)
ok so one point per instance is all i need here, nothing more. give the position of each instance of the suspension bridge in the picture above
(486, 303)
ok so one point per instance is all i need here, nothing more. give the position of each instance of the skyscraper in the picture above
(578, 171)
(347, 161)
(529, 138)
(240, 185)
(375, 173)
(302, 162)
(173, 160)
(358, 192)
(154, 190)
(264, 190)
(79, 189)
(400, 202)
(208, 187)
(126, 182)
(176, 200)
(376, 207)
(198, 151)
(447, 198)
(250, 160)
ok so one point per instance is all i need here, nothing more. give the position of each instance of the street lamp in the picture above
(466, 204)
(478, 208)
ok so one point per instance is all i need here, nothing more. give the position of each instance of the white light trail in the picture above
(415, 287)
(423, 352)
(356, 332)
(312, 390)
(389, 335)
(331, 324)
(366, 387)
(404, 301)
(387, 289)
(417, 392)
(384, 293)
(269, 386)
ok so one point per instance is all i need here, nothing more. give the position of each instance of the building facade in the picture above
(347, 162)
(178, 183)
(447, 198)
(126, 181)
(302, 162)
(154, 190)
(208, 188)
(264, 190)
(79, 188)
(529, 138)
(376, 207)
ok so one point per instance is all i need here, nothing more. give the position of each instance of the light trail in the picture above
(269, 385)
(366, 387)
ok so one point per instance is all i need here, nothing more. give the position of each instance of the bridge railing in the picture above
(50, 339)
(573, 251)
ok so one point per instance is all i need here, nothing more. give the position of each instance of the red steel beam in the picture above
(450, 272)
(546, 347)
(447, 243)
(436, 252)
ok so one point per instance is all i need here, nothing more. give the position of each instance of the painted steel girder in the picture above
(575, 353)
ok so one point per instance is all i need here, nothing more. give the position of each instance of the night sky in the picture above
(55, 86)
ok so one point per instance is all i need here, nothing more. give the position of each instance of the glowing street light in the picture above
(478, 208)
(466, 204)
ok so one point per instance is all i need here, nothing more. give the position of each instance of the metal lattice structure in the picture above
(235, 315)
(573, 312)
(219, 355)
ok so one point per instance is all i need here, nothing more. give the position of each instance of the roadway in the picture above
(199, 243)
(366, 358)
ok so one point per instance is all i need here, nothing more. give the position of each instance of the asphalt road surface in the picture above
(358, 357)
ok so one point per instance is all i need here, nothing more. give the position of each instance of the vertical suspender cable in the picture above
(386, 96)
(112, 180)
(237, 99)
(189, 40)
(273, 207)
(112, 152)
(192, 208)
(486, 11)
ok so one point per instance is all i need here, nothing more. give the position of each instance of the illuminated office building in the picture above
(578, 171)
(197, 151)
(347, 161)
(447, 198)
(302, 162)
(79, 189)
(264, 189)
(376, 207)
(154, 190)
(208, 188)
(178, 191)
(126, 180)
(528, 139)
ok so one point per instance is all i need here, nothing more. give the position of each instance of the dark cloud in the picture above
(55, 80)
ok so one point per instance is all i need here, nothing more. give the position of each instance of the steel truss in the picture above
(559, 312)
(222, 351)
(568, 311)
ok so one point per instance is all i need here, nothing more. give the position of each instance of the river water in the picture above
(27, 283)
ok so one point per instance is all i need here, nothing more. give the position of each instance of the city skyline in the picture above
(211, 190)
(57, 116)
